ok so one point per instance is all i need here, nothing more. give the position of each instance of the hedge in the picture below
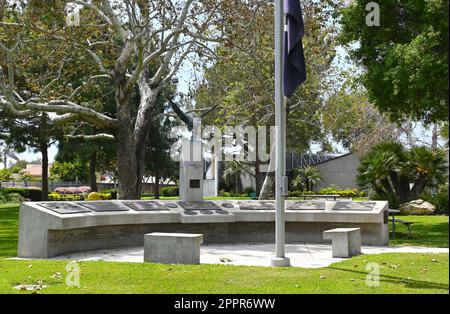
(33, 194)
(170, 191)
(343, 193)
(75, 197)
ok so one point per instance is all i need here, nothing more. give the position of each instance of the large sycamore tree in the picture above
(124, 38)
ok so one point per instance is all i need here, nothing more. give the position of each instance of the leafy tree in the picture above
(5, 175)
(69, 171)
(405, 59)
(392, 171)
(158, 162)
(306, 178)
(239, 85)
(26, 177)
(232, 175)
(22, 164)
(37, 133)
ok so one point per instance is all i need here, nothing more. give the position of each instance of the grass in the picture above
(399, 273)
(9, 226)
(427, 231)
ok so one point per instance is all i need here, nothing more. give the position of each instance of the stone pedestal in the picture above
(172, 248)
(191, 171)
(346, 241)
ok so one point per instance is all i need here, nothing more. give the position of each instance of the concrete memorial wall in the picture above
(49, 229)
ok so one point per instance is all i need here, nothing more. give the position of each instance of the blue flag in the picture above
(294, 67)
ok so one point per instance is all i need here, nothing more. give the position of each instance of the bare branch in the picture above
(102, 136)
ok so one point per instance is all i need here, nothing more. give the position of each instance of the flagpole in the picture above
(280, 260)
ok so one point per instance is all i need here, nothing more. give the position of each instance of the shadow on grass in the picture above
(410, 283)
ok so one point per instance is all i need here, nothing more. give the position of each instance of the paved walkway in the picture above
(301, 255)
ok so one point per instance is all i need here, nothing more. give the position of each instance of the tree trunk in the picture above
(126, 147)
(131, 136)
(92, 172)
(157, 178)
(418, 187)
(268, 186)
(269, 181)
(127, 166)
(44, 152)
(435, 136)
(257, 176)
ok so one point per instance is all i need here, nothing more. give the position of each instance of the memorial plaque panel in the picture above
(65, 208)
(199, 205)
(356, 206)
(222, 212)
(305, 205)
(104, 206)
(171, 205)
(227, 205)
(261, 205)
(146, 206)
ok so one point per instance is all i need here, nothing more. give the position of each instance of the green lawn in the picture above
(400, 273)
(426, 231)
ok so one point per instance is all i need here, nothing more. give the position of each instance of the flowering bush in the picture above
(73, 190)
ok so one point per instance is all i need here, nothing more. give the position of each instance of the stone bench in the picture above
(346, 241)
(172, 248)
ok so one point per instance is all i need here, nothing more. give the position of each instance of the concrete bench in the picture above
(346, 241)
(172, 248)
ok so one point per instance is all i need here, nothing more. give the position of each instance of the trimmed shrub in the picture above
(33, 194)
(170, 191)
(329, 191)
(10, 197)
(393, 200)
(248, 191)
(94, 196)
(439, 200)
(112, 192)
(56, 197)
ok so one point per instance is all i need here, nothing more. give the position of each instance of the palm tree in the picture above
(427, 168)
(390, 171)
(306, 178)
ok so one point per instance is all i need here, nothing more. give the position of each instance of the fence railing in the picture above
(148, 188)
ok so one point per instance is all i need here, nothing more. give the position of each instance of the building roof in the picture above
(35, 169)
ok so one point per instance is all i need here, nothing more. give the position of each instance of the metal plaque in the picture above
(194, 184)
(171, 205)
(355, 206)
(305, 205)
(146, 206)
(199, 205)
(104, 206)
(65, 208)
(227, 205)
(222, 212)
(260, 205)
